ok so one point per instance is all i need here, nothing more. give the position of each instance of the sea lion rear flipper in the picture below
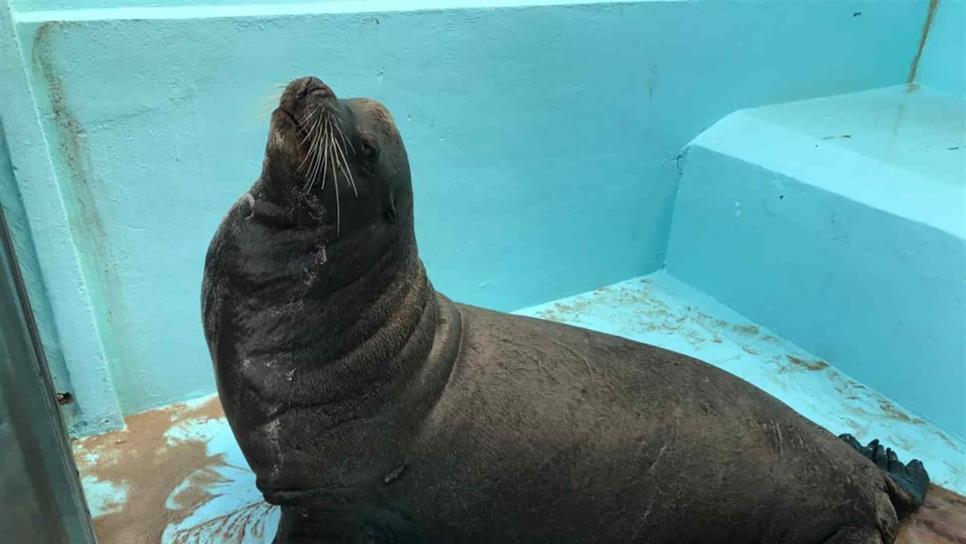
(909, 481)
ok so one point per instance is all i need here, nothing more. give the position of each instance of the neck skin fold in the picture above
(349, 319)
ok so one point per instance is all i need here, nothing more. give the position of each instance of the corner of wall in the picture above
(941, 60)
(58, 288)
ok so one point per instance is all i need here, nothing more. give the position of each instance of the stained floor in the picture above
(176, 476)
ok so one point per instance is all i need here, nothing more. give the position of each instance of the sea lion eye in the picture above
(369, 151)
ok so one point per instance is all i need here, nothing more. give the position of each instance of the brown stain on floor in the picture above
(151, 467)
(892, 411)
(750, 330)
(651, 313)
(805, 364)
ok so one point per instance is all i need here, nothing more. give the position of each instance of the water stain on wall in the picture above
(926, 27)
(85, 216)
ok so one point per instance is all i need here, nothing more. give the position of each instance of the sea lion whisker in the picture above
(323, 151)
(318, 149)
(344, 166)
(309, 113)
(342, 135)
(318, 130)
(338, 204)
(339, 126)
(334, 155)
(329, 156)
(312, 176)
(337, 120)
(311, 131)
(313, 116)
(309, 183)
(336, 160)
(309, 153)
(305, 160)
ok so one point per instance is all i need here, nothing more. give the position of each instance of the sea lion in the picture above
(374, 409)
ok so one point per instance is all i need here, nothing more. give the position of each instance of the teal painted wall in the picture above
(30, 193)
(943, 64)
(543, 140)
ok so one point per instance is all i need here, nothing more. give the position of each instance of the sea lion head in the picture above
(338, 162)
(295, 279)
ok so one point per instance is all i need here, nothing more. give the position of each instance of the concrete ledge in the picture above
(235, 9)
(901, 150)
(852, 247)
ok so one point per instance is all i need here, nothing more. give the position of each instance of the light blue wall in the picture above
(943, 64)
(543, 140)
(56, 282)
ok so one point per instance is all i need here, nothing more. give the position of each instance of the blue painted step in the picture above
(839, 223)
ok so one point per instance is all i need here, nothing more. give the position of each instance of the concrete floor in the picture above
(176, 476)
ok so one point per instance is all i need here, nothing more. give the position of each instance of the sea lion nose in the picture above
(313, 86)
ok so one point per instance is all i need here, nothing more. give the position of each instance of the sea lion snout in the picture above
(307, 86)
(314, 85)
(303, 96)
